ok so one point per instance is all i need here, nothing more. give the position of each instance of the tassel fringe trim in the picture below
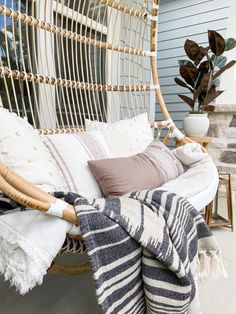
(210, 265)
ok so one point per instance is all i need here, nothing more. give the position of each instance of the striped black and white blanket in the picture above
(146, 251)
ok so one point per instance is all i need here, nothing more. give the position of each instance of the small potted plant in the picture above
(201, 77)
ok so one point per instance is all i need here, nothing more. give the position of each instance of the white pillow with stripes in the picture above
(72, 152)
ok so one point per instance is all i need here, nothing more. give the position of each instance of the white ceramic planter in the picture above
(196, 125)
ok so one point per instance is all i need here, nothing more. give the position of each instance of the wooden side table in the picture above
(213, 219)
(204, 141)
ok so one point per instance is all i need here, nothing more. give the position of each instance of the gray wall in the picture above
(179, 20)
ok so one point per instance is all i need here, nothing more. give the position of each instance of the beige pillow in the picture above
(147, 170)
(127, 137)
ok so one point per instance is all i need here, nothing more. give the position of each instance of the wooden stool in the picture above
(213, 219)
(204, 141)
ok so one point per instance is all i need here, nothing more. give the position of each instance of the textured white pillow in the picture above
(72, 152)
(125, 137)
(22, 150)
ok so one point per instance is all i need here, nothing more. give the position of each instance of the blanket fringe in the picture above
(210, 265)
(20, 262)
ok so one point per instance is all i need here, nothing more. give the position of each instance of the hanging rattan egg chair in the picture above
(64, 61)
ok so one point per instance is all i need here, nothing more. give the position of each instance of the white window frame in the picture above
(43, 69)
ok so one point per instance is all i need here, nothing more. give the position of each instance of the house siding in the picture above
(179, 20)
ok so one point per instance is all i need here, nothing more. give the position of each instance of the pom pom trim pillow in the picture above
(125, 137)
(22, 150)
(147, 170)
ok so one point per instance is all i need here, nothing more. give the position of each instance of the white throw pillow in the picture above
(23, 151)
(71, 152)
(125, 137)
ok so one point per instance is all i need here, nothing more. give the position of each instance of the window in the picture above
(46, 51)
(33, 50)
(13, 54)
(69, 55)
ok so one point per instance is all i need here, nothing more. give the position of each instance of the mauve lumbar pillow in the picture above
(147, 170)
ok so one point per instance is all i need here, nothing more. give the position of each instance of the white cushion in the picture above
(191, 185)
(125, 137)
(71, 152)
(199, 183)
(22, 150)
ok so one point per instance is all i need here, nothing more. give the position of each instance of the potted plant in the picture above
(201, 77)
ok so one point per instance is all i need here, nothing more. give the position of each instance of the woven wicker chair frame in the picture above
(64, 61)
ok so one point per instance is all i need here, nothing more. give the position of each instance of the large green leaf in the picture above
(216, 42)
(230, 44)
(189, 73)
(220, 61)
(188, 100)
(182, 83)
(213, 61)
